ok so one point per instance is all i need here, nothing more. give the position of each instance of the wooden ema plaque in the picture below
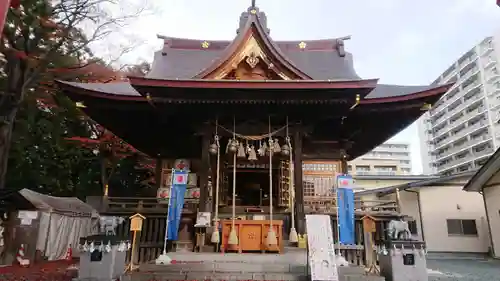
(136, 222)
(252, 235)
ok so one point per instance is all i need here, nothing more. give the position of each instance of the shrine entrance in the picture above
(252, 187)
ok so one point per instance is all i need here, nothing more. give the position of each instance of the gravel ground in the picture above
(464, 270)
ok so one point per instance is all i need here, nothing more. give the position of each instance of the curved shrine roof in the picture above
(324, 75)
(186, 58)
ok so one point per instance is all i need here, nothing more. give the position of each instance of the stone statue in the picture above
(108, 224)
(398, 230)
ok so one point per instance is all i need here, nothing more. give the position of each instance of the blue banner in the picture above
(345, 200)
(179, 185)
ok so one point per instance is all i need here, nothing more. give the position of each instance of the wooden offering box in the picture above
(252, 235)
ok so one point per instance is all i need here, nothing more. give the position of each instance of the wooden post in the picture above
(343, 162)
(369, 227)
(158, 172)
(299, 191)
(204, 173)
(398, 201)
(135, 226)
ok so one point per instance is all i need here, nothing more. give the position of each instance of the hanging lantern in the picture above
(241, 151)
(232, 146)
(285, 150)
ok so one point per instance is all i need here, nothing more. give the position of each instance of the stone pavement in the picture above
(463, 269)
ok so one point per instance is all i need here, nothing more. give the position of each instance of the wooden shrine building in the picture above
(250, 89)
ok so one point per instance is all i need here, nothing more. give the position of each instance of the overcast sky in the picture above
(399, 41)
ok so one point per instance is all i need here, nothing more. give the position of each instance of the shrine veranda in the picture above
(264, 127)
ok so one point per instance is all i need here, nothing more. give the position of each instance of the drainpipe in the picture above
(419, 205)
(489, 225)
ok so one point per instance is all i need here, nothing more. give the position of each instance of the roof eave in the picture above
(82, 91)
(254, 84)
(437, 91)
(484, 174)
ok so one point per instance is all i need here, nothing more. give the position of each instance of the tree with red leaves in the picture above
(42, 39)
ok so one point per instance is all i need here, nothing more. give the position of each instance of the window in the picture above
(412, 225)
(308, 188)
(461, 227)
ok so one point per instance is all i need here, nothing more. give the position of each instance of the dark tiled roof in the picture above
(175, 63)
(385, 91)
(116, 88)
(124, 88)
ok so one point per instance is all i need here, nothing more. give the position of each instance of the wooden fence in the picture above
(150, 240)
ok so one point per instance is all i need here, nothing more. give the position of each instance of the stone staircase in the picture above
(204, 266)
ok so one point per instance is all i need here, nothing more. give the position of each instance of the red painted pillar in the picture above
(4, 8)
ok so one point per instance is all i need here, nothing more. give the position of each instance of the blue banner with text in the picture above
(345, 204)
(179, 185)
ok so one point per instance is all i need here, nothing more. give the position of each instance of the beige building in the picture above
(486, 182)
(442, 214)
(388, 159)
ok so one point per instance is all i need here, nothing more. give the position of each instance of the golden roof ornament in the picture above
(205, 45)
(302, 45)
(426, 107)
(252, 60)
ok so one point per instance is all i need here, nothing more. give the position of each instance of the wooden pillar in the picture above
(343, 163)
(204, 174)
(299, 191)
(158, 172)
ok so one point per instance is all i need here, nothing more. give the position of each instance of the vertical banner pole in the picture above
(164, 258)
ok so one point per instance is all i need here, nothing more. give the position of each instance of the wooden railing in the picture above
(328, 205)
(143, 205)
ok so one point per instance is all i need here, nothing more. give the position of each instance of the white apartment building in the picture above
(462, 129)
(389, 158)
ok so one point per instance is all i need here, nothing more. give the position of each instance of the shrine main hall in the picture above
(263, 126)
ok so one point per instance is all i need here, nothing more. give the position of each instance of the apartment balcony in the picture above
(488, 62)
(467, 61)
(462, 106)
(445, 141)
(469, 158)
(466, 144)
(376, 173)
(486, 49)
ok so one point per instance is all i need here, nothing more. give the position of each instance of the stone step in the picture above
(244, 276)
(232, 267)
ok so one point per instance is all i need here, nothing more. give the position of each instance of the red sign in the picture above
(180, 178)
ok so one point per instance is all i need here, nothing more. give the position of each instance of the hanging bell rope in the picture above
(215, 233)
(252, 138)
(293, 237)
(233, 238)
(271, 235)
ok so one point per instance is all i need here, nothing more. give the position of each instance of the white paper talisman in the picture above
(320, 241)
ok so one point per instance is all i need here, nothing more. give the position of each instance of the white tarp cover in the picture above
(63, 221)
(70, 206)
